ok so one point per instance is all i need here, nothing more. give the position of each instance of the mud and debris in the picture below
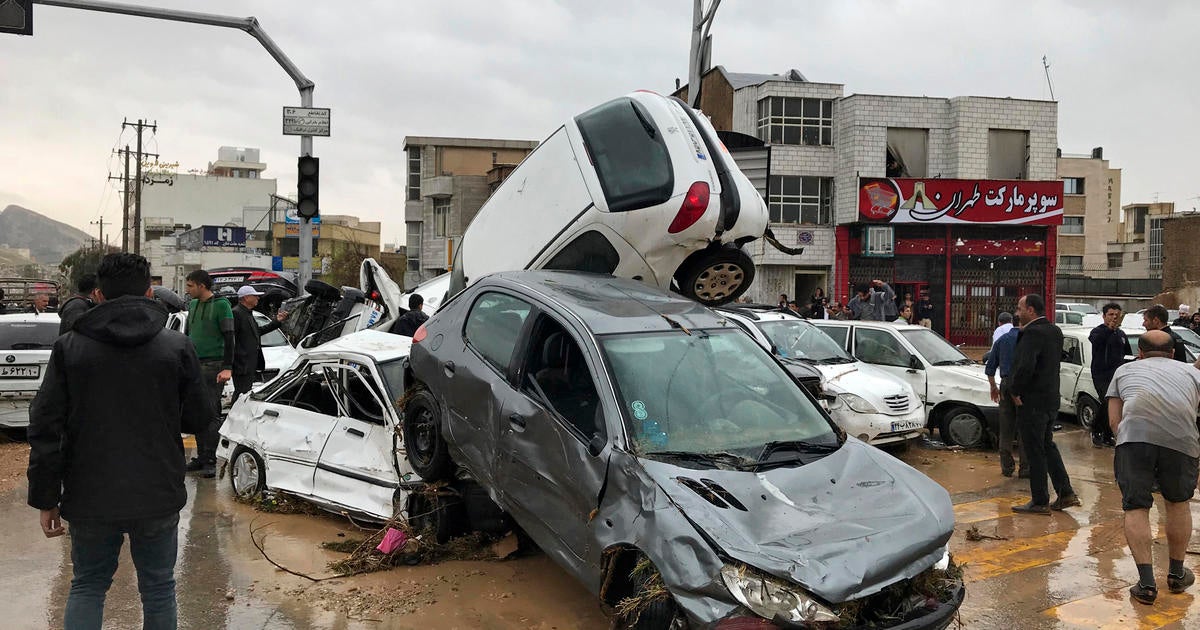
(904, 600)
(974, 535)
(651, 590)
(14, 460)
(279, 503)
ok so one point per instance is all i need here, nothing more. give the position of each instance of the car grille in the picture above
(896, 404)
(813, 385)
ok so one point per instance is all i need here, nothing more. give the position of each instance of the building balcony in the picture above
(440, 186)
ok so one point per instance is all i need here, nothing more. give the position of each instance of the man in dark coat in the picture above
(248, 358)
(1034, 391)
(1110, 346)
(1155, 318)
(409, 322)
(78, 304)
(105, 447)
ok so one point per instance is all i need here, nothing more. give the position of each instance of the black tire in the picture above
(442, 516)
(426, 449)
(247, 473)
(662, 614)
(715, 276)
(963, 426)
(1087, 410)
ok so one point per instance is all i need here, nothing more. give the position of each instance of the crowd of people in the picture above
(873, 301)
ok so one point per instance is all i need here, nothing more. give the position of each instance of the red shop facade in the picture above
(973, 246)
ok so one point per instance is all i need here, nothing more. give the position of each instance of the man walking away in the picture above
(105, 452)
(248, 358)
(77, 304)
(1005, 320)
(1152, 405)
(1155, 318)
(1000, 359)
(870, 302)
(409, 322)
(1034, 389)
(210, 327)
(1110, 346)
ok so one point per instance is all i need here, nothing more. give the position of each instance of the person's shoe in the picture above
(1031, 508)
(1008, 472)
(210, 471)
(1110, 442)
(1023, 473)
(194, 465)
(1065, 501)
(1097, 441)
(1144, 594)
(1181, 584)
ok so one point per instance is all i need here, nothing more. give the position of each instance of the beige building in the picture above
(1091, 218)
(448, 181)
(336, 232)
(1137, 250)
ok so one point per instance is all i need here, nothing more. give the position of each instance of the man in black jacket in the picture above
(409, 322)
(1155, 318)
(1034, 391)
(248, 358)
(78, 304)
(1109, 349)
(105, 446)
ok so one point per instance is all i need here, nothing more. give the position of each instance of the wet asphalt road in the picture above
(1069, 570)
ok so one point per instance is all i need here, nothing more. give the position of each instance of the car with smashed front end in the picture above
(670, 463)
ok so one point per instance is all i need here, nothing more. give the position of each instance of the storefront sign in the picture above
(905, 200)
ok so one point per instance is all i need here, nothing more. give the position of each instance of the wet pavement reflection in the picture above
(1068, 570)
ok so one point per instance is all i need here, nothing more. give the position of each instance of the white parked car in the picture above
(639, 187)
(953, 387)
(864, 401)
(26, 340)
(1065, 317)
(1078, 394)
(327, 430)
(1191, 341)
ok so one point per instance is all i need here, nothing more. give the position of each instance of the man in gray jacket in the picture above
(873, 301)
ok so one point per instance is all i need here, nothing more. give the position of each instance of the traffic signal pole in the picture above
(248, 25)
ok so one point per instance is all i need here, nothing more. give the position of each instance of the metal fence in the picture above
(1083, 285)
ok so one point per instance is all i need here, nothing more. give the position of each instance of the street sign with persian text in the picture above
(306, 121)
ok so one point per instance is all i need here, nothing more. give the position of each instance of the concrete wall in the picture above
(1180, 262)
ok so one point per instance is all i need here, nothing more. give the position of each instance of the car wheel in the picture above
(661, 614)
(443, 517)
(247, 474)
(423, 442)
(964, 427)
(716, 276)
(1086, 411)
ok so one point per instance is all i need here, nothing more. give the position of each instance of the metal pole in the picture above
(125, 205)
(306, 239)
(701, 23)
(137, 195)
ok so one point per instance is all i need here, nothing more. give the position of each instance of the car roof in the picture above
(869, 324)
(378, 345)
(756, 312)
(607, 304)
(29, 317)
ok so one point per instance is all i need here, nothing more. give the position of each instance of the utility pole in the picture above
(124, 200)
(141, 126)
(101, 223)
(702, 20)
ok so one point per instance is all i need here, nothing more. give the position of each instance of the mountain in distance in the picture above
(49, 241)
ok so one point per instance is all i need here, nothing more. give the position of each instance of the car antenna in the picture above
(675, 324)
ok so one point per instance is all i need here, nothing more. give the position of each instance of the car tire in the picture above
(715, 276)
(662, 614)
(423, 443)
(442, 516)
(963, 426)
(247, 473)
(1087, 410)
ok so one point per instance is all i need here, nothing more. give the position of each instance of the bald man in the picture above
(1152, 406)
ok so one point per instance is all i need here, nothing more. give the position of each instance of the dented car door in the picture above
(293, 425)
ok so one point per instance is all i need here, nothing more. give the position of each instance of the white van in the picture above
(639, 187)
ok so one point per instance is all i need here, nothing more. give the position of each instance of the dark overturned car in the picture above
(668, 462)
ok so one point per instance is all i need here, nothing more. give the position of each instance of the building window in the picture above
(796, 199)
(1155, 243)
(1072, 185)
(441, 216)
(1072, 225)
(1070, 264)
(879, 240)
(786, 120)
(1139, 219)
(414, 173)
(1114, 260)
(907, 152)
(1008, 154)
(412, 246)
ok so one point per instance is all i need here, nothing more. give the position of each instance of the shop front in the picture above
(973, 247)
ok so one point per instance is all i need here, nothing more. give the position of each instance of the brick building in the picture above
(866, 183)
(1180, 264)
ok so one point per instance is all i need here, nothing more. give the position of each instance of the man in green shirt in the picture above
(210, 327)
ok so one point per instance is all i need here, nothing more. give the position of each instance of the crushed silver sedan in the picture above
(670, 463)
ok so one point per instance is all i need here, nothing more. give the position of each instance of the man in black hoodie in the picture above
(78, 304)
(105, 447)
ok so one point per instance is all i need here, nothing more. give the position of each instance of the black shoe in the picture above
(1065, 501)
(1098, 441)
(1032, 508)
(1007, 473)
(1110, 442)
(1144, 594)
(1022, 474)
(1181, 584)
(194, 465)
(210, 471)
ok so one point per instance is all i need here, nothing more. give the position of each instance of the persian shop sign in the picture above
(906, 200)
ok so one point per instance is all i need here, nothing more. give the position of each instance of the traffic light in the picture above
(307, 186)
(16, 17)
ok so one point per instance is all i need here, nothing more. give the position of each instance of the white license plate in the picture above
(20, 371)
(906, 426)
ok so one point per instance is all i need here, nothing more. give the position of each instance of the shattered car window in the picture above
(710, 391)
(799, 340)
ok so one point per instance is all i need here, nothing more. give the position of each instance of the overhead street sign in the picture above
(306, 121)
(16, 17)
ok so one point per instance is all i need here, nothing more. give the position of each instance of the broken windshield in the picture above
(708, 392)
(795, 339)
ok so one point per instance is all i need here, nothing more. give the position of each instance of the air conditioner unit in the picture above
(880, 241)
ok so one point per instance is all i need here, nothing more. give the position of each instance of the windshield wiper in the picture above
(799, 446)
(946, 362)
(645, 123)
(705, 458)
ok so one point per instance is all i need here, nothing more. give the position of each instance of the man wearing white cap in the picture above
(247, 349)
(1185, 316)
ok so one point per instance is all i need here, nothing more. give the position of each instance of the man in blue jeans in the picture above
(105, 447)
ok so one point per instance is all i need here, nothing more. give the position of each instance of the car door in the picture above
(549, 456)
(476, 372)
(885, 350)
(1069, 371)
(356, 467)
(293, 424)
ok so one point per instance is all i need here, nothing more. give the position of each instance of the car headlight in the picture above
(857, 403)
(773, 599)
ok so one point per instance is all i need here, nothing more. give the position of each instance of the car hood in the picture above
(863, 380)
(843, 527)
(965, 371)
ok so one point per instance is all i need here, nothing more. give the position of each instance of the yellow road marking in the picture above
(986, 509)
(1115, 610)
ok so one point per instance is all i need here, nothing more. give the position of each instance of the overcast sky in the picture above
(1123, 72)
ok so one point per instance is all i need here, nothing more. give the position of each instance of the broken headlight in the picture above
(857, 403)
(773, 599)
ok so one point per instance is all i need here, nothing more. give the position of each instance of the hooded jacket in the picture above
(104, 429)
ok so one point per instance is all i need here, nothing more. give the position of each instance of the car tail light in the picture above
(420, 334)
(746, 623)
(262, 275)
(695, 202)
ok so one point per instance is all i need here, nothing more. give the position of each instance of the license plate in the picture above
(906, 426)
(20, 371)
(229, 279)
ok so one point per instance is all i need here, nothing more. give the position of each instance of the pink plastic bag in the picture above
(393, 539)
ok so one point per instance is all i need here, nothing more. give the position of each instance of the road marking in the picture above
(1115, 610)
(986, 509)
(1012, 556)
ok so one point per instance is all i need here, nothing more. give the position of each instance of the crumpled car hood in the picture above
(843, 527)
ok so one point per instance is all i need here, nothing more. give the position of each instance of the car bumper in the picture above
(14, 412)
(878, 428)
(991, 419)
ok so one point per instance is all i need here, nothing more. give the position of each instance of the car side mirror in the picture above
(596, 444)
(913, 362)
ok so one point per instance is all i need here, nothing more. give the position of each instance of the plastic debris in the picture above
(393, 539)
